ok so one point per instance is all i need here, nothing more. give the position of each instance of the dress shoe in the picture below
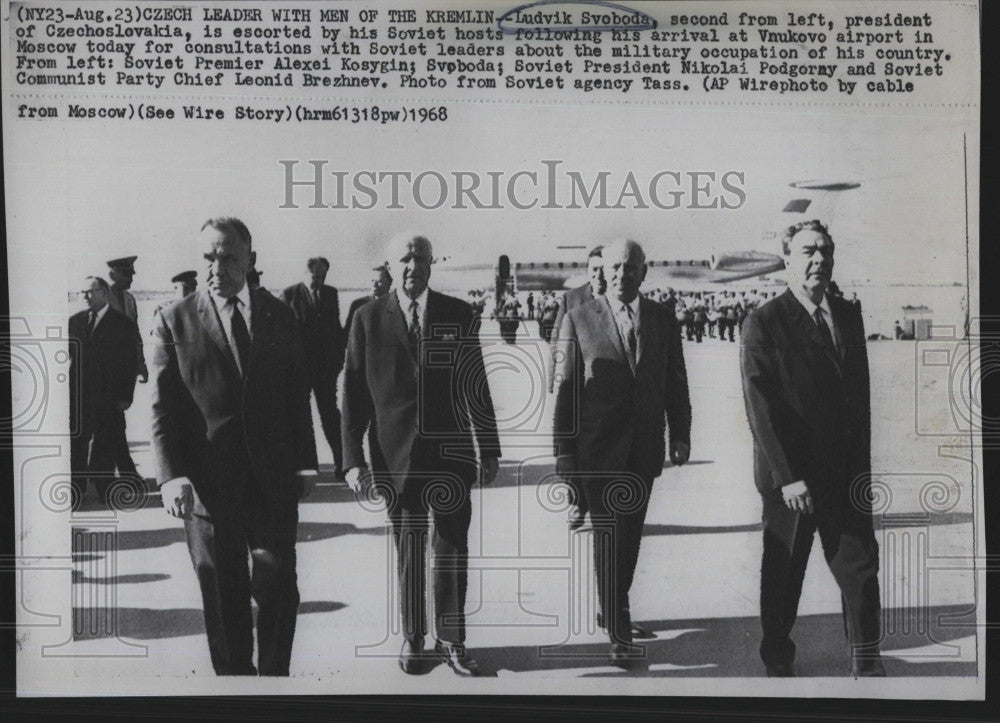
(410, 656)
(867, 667)
(781, 670)
(626, 655)
(457, 659)
(577, 515)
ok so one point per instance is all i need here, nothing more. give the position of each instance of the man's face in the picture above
(810, 262)
(180, 289)
(121, 278)
(95, 296)
(316, 276)
(411, 261)
(624, 270)
(595, 270)
(380, 283)
(228, 259)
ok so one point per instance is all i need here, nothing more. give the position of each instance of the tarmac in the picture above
(531, 599)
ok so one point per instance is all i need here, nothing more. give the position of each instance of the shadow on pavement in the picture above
(727, 647)
(152, 624)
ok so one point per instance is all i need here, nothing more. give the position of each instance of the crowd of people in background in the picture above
(717, 314)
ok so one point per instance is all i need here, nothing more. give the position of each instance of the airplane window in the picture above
(545, 265)
(560, 264)
(574, 264)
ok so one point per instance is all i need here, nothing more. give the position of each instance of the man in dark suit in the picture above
(102, 381)
(805, 383)
(317, 309)
(185, 283)
(595, 287)
(122, 272)
(414, 362)
(233, 438)
(622, 381)
(381, 283)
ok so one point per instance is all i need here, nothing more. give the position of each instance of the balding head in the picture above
(410, 257)
(624, 269)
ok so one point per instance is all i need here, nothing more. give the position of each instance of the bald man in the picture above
(621, 382)
(413, 361)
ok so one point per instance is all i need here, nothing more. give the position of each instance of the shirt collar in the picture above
(808, 304)
(100, 313)
(619, 307)
(243, 295)
(405, 301)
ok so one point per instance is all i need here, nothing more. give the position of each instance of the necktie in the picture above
(241, 335)
(824, 330)
(316, 299)
(91, 323)
(414, 328)
(630, 332)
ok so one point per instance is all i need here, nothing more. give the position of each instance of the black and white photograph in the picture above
(563, 347)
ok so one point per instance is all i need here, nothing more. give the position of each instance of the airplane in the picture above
(817, 197)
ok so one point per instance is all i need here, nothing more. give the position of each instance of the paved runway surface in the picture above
(530, 605)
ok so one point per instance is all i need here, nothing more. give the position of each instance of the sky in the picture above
(85, 192)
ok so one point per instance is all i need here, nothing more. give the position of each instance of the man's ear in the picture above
(253, 259)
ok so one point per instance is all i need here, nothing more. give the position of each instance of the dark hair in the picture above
(790, 232)
(596, 251)
(230, 224)
(315, 260)
(100, 282)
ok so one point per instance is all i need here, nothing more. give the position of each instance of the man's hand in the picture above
(488, 470)
(797, 497)
(121, 405)
(307, 478)
(178, 497)
(359, 479)
(679, 453)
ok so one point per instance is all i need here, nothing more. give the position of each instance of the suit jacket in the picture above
(809, 407)
(128, 307)
(219, 429)
(610, 416)
(102, 365)
(355, 305)
(569, 301)
(428, 405)
(319, 326)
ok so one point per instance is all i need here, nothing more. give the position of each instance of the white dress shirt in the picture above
(225, 310)
(100, 315)
(824, 306)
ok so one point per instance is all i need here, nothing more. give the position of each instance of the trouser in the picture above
(219, 551)
(92, 452)
(851, 551)
(324, 387)
(123, 458)
(412, 509)
(618, 511)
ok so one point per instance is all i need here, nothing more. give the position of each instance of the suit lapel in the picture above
(260, 328)
(397, 324)
(213, 325)
(843, 324)
(807, 326)
(645, 331)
